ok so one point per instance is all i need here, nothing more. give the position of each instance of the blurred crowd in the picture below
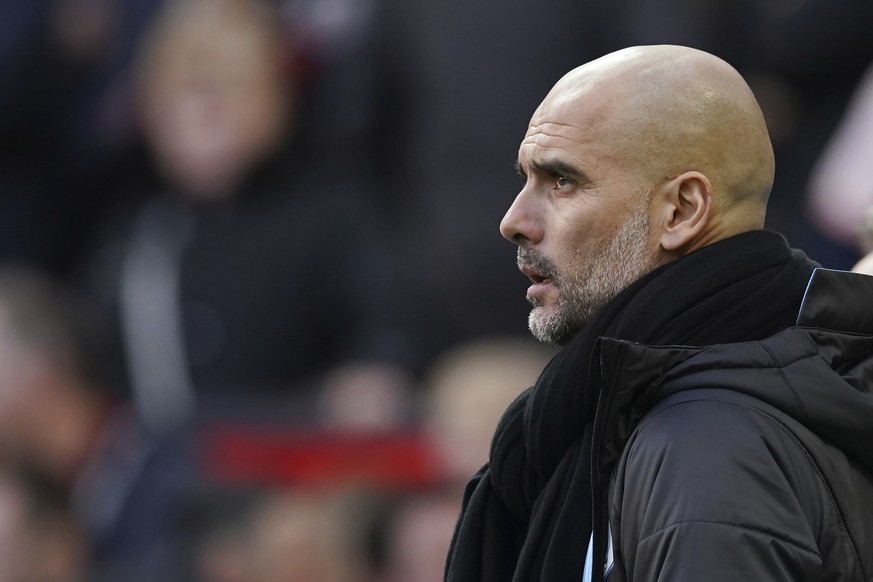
(257, 323)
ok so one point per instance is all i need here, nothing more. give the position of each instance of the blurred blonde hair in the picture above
(468, 388)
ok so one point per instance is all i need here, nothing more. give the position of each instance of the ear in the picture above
(686, 207)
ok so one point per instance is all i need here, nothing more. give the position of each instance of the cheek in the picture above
(577, 242)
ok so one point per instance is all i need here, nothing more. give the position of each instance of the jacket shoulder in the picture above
(711, 476)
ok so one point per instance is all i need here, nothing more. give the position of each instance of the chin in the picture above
(551, 327)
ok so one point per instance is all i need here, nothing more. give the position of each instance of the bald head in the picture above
(666, 110)
(632, 161)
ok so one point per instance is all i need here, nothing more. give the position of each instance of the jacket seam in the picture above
(772, 533)
(779, 368)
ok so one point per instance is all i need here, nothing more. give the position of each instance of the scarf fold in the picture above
(527, 515)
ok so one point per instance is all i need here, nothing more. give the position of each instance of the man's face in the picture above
(581, 220)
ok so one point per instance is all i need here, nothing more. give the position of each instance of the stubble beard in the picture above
(583, 293)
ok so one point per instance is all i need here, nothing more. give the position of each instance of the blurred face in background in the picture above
(469, 389)
(40, 539)
(215, 97)
(292, 536)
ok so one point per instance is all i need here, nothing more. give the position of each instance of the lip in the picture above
(540, 284)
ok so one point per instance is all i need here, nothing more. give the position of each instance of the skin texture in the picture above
(632, 161)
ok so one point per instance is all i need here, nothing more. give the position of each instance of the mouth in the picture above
(535, 276)
(542, 275)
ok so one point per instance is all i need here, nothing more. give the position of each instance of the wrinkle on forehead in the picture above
(551, 135)
(579, 110)
(565, 129)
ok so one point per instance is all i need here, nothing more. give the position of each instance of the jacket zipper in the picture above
(597, 565)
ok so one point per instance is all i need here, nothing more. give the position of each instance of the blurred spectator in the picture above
(865, 265)
(467, 389)
(253, 265)
(865, 244)
(282, 536)
(300, 536)
(420, 474)
(40, 540)
(841, 188)
(805, 60)
(51, 404)
(419, 537)
(60, 422)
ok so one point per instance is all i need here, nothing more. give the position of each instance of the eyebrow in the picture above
(554, 167)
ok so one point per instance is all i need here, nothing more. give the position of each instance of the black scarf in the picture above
(528, 514)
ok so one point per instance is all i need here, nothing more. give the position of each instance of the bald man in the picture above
(709, 414)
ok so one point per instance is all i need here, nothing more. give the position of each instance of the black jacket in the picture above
(744, 461)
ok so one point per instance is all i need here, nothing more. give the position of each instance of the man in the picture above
(694, 426)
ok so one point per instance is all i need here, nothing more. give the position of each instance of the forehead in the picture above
(574, 122)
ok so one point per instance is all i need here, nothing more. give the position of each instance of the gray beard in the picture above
(583, 293)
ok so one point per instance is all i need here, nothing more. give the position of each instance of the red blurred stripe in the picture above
(316, 459)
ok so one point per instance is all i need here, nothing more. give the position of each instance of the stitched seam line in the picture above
(779, 368)
(774, 534)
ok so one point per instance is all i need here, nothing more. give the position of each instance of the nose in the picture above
(522, 223)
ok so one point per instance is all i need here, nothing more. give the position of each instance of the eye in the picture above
(561, 181)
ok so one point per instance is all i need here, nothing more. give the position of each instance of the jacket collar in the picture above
(839, 301)
(834, 335)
